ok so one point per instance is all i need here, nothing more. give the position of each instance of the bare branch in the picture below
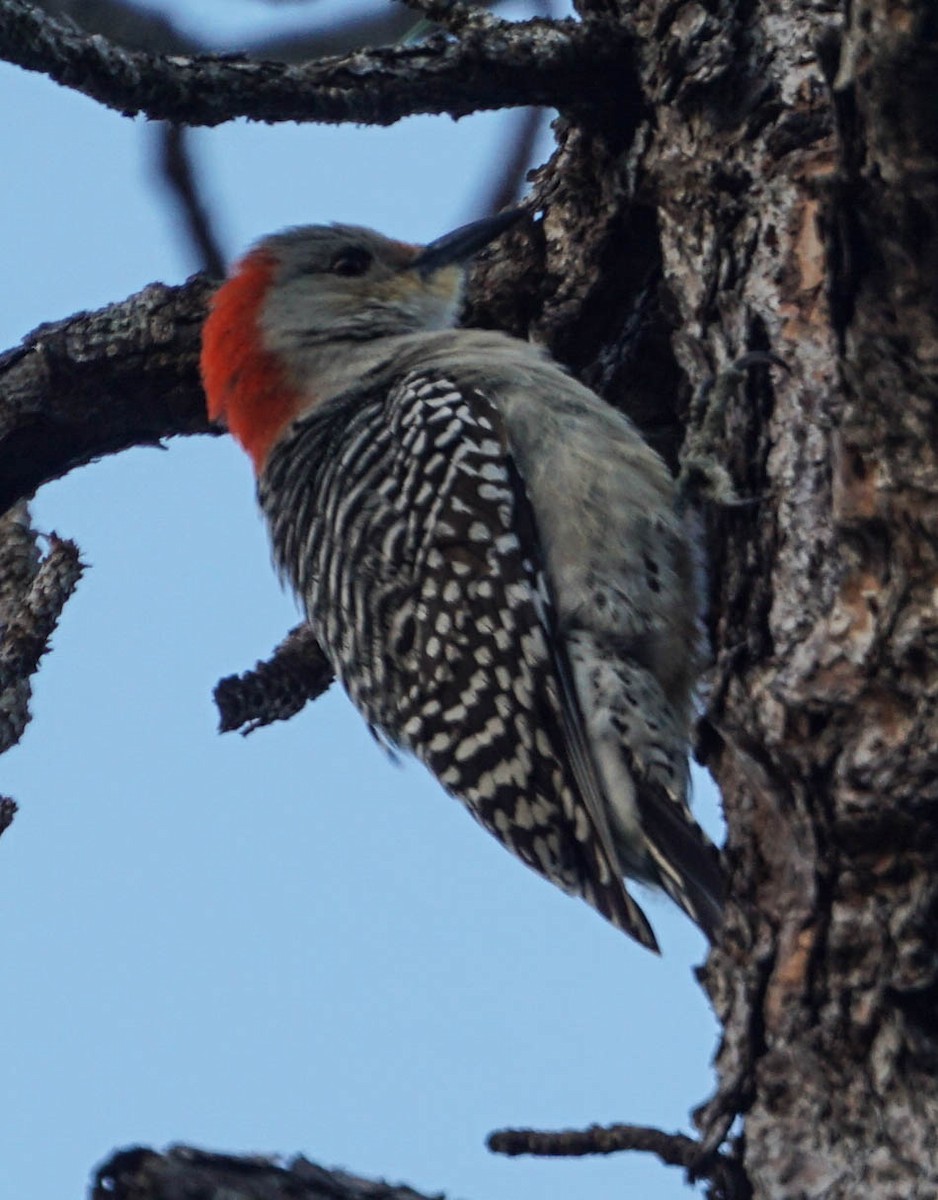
(553, 63)
(674, 1149)
(27, 633)
(126, 375)
(142, 29)
(276, 690)
(33, 592)
(142, 1174)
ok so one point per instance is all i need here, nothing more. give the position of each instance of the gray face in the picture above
(345, 283)
(340, 251)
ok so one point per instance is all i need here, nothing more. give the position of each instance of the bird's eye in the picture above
(353, 260)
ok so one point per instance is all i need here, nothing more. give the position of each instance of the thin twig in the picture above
(514, 170)
(178, 172)
(552, 63)
(674, 1149)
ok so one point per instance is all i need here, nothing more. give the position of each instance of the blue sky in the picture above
(282, 943)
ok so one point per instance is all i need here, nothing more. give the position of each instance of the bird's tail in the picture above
(685, 860)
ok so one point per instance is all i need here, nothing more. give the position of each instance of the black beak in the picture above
(462, 243)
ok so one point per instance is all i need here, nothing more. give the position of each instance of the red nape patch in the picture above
(245, 385)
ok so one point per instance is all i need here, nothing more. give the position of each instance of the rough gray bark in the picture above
(791, 165)
(758, 176)
(99, 382)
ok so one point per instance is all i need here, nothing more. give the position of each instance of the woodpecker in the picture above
(488, 553)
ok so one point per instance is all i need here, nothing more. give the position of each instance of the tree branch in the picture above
(554, 63)
(177, 171)
(33, 592)
(276, 690)
(674, 1150)
(126, 375)
(142, 1174)
(26, 635)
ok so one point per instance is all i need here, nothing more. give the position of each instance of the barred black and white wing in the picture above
(397, 515)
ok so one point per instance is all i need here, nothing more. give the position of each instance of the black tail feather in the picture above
(686, 861)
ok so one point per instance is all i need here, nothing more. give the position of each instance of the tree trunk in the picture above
(779, 193)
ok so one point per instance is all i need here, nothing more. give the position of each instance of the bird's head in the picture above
(289, 328)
